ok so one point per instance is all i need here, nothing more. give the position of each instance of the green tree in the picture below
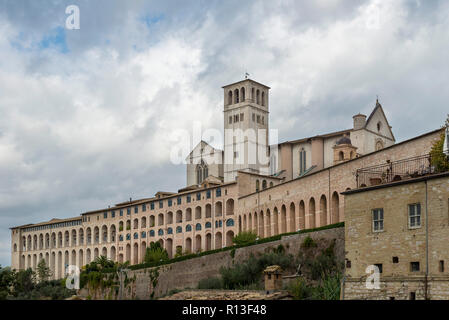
(155, 253)
(43, 272)
(244, 238)
(7, 280)
(438, 159)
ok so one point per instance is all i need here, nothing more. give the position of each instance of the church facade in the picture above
(275, 189)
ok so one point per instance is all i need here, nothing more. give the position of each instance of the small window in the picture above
(236, 154)
(414, 215)
(258, 119)
(128, 211)
(254, 117)
(170, 202)
(161, 204)
(379, 126)
(112, 214)
(414, 266)
(208, 194)
(378, 220)
(395, 260)
(105, 215)
(179, 200)
(230, 119)
(379, 265)
(136, 209)
(241, 117)
(189, 198)
(144, 207)
(152, 205)
(412, 295)
(348, 264)
(236, 118)
(198, 196)
(441, 268)
(218, 192)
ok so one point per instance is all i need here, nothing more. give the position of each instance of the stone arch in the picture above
(152, 221)
(160, 219)
(96, 235)
(73, 258)
(53, 238)
(113, 233)
(128, 253)
(302, 215)
(197, 213)
(341, 156)
(188, 245)
(81, 258)
(264, 184)
(136, 223)
(113, 254)
(244, 225)
(59, 269)
(88, 256)
(104, 234)
(236, 96)
(268, 223)
(189, 214)
(198, 243)
(311, 213)
(250, 222)
(66, 239)
(335, 208)
(261, 225)
(143, 250)
(96, 253)
(35, 242)
(240, 224)
(80, 236)
(257, 185)
(208, 210)
(283, 219)
(74, 244)
(263, 98)
(178, 216)
(104, 252)
(292, 218)
(208, 241)
(275, 221)
(169, 247)
(242, 94)
(169, 217)
(218, 240)
(135, 253)
(89, 235)
(218, 209)
(323, 211)
(230, 97)
(143, 222)
(229, 237)
(230, 207)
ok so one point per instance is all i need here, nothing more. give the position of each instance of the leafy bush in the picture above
(300, 290)
(244, 237)
(155, 253)
(438, 158)
(308, 242)
(210, 283)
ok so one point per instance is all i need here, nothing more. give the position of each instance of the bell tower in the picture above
(246, 144)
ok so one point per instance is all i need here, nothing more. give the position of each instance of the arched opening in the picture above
(53, 263)
(229, 237)
(66, 239)
(73, 258)
(53, 238)
(188, 214)
(198, 243)
(264, 184)
(81, 236)
(229, 97)
(283, 219)
(292, 218)
(202, 172)
(197, 213)
(104, 234)
(261, 225)
(113, 255)
(302, 215)
(244, 226)
(341, 156)
(143, 250)
(240, 224)
(236, 96)
(96, 253)
(242, 94)
(275, 221)
(311, 213)
(188, 245)
(250, 222)
(257, 185)
(335, 208)
(218, 240)
(152, 221)
(160, 219)
(60, 275)
(208, 210)
(74, 238)
(208, 242)
(143, 222)
(323, 211)
(135, 253)
(89, 236)
(96, 235)
(178, 216)
(169, 217)
(128, 253)
(88, 256)
(104, 252)
(218, 209)
(268, 223)
(113, 233)
(257, 96)
(230, 207)
(263, 98)
(169, 247)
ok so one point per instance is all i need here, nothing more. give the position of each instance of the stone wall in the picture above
(187, 274)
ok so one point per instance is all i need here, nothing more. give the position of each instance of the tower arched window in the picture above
(230, 97)
(302, 161)
(263, 99)
(242, 94)
(236, 96)
(202, 172)
(257, 96)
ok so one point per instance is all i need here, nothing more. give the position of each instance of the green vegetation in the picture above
(43, 272)
(155, 253)
(244, 238)
(27, 285)
(210, 283)
(438, 158)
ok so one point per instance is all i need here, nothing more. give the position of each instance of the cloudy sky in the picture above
(87, 116)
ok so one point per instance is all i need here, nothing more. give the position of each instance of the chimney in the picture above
(359, 121)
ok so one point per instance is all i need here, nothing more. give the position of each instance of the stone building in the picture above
(400, 227)
(221, 199)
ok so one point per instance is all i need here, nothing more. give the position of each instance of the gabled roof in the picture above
(376, 108)
(250, 80)
(202, 144)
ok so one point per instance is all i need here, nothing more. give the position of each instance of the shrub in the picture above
(308, 242)
(210, 283)
(438, 158)
(155, 253)
(299, 290)
(244, 238)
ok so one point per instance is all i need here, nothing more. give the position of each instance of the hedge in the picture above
(205, 253)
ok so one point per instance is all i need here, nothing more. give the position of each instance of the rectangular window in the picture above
(136, 209)
(441, 268)
(218, 192)
(395, 260)
(152, 205)
(414, 266)
(179, 200)
(263, 121)
(414, 215)
(254, 117)
(258, 119)
(189, 198)
(208, 194)
(198, 196)
(236, 118)
(236, 154)
(412, 295)
(161, 204)
(105, 215)
(144, 207)
(170, 201)
(378, 220)
(241, 117)
(112, 214)
(230, 119)
(128, 211)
